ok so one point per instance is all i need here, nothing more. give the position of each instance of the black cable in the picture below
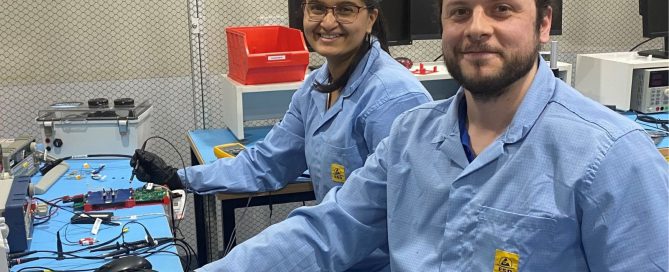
(63, 208)
(48, 217)
(187, 255)
(71, 253)
(138, 223)
(180, 233)
(187, 248)
(233, 236)
(183, 164)
(50, 165)
(183, 241)
(635, 47)
(271, 209)
(640, 116)
(437, 58)
(43, 268)
(70, 243)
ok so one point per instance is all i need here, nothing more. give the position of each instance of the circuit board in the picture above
(148, 196)
(124, 198)
(109, 199)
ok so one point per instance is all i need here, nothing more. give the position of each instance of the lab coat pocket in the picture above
(508, 241)
(340, 162)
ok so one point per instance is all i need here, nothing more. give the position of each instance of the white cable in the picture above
(135, 216)
(233, 235)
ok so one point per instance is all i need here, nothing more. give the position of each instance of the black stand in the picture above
(658, 53)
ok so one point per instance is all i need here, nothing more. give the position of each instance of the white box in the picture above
(87, 131)
(607, 77)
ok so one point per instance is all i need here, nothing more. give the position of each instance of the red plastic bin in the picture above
(266, 54)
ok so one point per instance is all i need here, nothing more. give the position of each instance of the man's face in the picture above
(490, 44)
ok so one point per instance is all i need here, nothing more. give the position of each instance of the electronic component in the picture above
(18, 156)
(90, 217)
(109, 199)
(228, 150)
(123, 198)
(650, 90)
(95, 128)
(180, 206)
(42, 209)
(16, 210)
(150, 196)
(87, 241)
(608, 77)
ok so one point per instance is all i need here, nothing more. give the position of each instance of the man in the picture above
(516, 172)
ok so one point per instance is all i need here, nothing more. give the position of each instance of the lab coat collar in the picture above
(357, 77)
(533, 104)
(448, 138)
(535, 101)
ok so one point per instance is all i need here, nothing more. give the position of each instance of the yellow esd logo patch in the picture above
(505, 261)
(337, 172)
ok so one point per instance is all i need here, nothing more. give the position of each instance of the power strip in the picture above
(50, 178)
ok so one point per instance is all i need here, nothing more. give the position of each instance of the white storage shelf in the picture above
(267, 101)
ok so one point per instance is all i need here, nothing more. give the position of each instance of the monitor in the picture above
(556, 24)
(396, 17)
(424, 19)
(295, 17)
(395, 13)
(426, 24)
(655, 24)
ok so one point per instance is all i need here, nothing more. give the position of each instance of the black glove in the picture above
(151, 168)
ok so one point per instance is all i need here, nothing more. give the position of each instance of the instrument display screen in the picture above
(658, 79)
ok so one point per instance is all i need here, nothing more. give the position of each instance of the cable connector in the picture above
(87, 241)
(59, 247)
(75, 198)
(18, 261)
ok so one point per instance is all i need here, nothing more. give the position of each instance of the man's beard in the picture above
(489, 88)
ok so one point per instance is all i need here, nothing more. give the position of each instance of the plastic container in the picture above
(95, 130)
(266, 54)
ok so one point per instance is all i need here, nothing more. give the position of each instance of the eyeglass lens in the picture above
(344, 13)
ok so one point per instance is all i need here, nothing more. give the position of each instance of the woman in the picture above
(334, 121)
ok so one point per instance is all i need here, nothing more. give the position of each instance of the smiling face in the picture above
(490, 44)
(331, 38)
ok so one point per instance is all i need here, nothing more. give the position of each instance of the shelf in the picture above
(268, 101)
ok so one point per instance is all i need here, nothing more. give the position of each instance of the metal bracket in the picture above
(48, 128)
(195, 26)
(123, 126)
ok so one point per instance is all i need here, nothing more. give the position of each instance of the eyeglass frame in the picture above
(332, 8)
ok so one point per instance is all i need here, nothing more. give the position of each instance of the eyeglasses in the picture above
(344, 13)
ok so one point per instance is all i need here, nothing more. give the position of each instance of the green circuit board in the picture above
(153, 195)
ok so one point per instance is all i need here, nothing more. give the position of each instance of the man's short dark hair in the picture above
(542, 7)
